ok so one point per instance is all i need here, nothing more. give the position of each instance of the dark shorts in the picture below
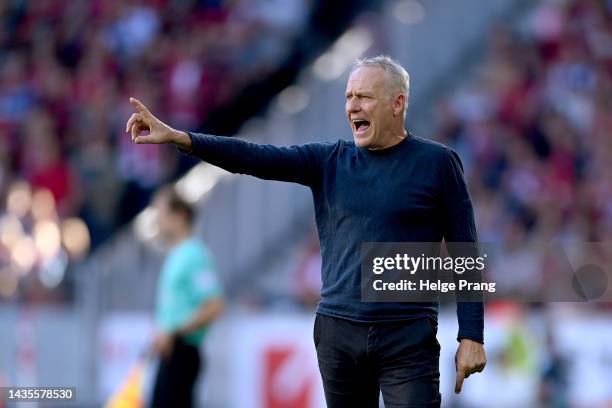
(359, 360)
(176, 377)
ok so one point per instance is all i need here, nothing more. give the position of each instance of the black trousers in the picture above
(176, 377)
(357, 361)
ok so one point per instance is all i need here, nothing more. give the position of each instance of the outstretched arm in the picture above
(301, 164)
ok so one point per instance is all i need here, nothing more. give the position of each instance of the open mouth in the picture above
(361, 125)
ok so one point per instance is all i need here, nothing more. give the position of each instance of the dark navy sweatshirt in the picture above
(414, 191)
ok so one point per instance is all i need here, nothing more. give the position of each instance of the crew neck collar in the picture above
(389, 150)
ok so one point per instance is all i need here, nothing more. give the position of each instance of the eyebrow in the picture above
(357, 93)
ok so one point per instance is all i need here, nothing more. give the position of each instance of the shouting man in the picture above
(386, 186)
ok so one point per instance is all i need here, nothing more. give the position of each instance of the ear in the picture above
(398, 104)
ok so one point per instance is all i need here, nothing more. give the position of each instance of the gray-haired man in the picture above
(386, 186)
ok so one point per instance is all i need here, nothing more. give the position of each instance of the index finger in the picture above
(140, 107)
(459, 381)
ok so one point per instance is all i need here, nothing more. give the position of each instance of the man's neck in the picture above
(180, 237)
(396, 138)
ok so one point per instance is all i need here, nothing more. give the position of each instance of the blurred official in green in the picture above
(189, 298)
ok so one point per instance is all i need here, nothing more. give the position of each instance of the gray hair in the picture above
(400, 80)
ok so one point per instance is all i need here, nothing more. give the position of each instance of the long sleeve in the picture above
(459, 227)
(301, 164)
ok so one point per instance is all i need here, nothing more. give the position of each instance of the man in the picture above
(387, 186)
(188, 300)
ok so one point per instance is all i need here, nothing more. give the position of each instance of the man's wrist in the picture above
(182, 140)
(474, 339)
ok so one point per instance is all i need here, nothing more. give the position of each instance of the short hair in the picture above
(400, 79)
(176, 203)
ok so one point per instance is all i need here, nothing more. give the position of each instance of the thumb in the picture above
(145, 139)
(459, 381)
(140, 107)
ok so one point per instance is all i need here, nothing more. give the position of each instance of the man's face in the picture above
(369, 106)
(165, 218)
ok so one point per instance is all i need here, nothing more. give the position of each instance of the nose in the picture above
(352, 105)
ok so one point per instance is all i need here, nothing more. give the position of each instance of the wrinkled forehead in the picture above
(364, 79)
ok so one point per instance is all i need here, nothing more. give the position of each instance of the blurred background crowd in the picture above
(532, 127)
(67, 71)
(527, 104)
